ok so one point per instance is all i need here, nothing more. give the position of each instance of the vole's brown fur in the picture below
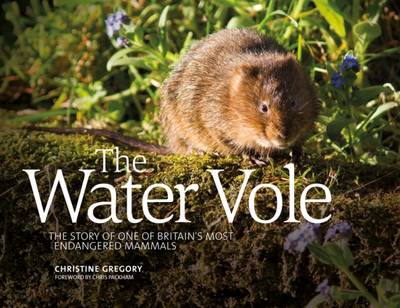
(235, 92)
(216, 98)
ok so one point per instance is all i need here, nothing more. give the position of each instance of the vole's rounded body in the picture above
(237, 92)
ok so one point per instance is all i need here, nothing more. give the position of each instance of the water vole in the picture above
(237, 92)
(234, 92)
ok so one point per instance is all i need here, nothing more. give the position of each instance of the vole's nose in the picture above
(278, 133)
(283, 133)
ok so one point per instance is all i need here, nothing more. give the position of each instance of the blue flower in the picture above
(349, 63)
(340, 230)
(121, 17)
(324, 289)
(122, 41)
(114, 22)
(298, 240)
(337, 80)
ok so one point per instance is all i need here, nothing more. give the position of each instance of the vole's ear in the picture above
(250, 70)
(289, 61)
(243, 74)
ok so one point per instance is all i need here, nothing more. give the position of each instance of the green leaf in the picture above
(381, 294)
(332, 15)
(333, 130)
(120, 59)
(340, 256)
(163, 17)
(137, 62)
(364, 95)
(347, 256)
(395, 300)
(366, 31)
(333, 250)
(239, 22)
(73, 3)
(386, 287)
(39, 116)
(382, 109)
(187, 43)
(117, 56)
(316, 300)
(282, 13)
(344, 295)
(374, 10)
(378, 112)
(320, 253)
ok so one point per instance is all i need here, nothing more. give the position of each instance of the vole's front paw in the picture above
(257, 160)
(216, 154)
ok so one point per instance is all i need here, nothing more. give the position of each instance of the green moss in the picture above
(252, 269)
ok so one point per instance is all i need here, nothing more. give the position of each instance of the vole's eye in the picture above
(263, 108)
(293, 104)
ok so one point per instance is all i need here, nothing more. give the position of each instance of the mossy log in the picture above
(250, 270)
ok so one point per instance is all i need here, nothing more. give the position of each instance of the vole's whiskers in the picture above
(305, 105)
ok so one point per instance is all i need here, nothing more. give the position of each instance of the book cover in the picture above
(199, 153)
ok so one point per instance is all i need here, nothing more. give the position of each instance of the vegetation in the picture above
(75, 73)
